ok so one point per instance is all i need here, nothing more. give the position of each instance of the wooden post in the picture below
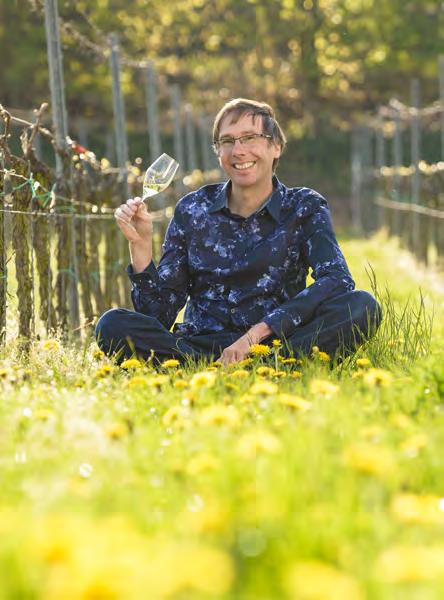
(178, 136)
(55, 64)
(380, 162)
(356, 179)
(190, 139)
(3, 259)
(419, 223)
(204, 143)
(151, 109)
(121, 141)
(397, 164)
(67, 276)
(441, 98)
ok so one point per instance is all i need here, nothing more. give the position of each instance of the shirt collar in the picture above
(273, 204)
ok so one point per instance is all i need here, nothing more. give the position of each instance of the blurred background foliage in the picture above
(320, 63)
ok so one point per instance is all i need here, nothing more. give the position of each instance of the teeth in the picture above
(242, 166)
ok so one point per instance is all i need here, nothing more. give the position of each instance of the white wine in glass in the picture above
(159, 175)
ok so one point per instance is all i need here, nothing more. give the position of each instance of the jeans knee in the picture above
(370, 312)
(109, 326)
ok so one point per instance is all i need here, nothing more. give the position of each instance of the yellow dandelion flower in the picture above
(264, 371)
(263, 388)
(180, 384)
(294, 402)
(247, 399)
(369, 459)
(371, 433)
(4, 373)
(410, 508)
(171, 363)
(175, 415)
(157, 381)
(378, 378)
(137, 382)
(231, 386)
(245, 362)
(219, 414)
(117, 430)
(289, 361)
(401, 421)
(406, 564)
(315, 350)
(131, 363)
(363, 363)
(280, 374)
(358, 374)
(240, 374)
(204, 379)
(253, 443)
(44, 414)
(202, 463)
(276, 343)
(98, 354)
(316, 580)
(216, 364)
(212, 368)
(295, 374)
(323, 387)
(259, 350)
(104, 371)
(322, 356)
(50, 345)
(414, 444)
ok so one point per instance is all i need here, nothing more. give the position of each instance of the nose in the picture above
(237, 146)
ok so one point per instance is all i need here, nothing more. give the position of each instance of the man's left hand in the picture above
(236, 352)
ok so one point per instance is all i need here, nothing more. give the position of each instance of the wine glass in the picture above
(159, 175)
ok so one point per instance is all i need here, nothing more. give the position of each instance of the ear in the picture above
(277, 151)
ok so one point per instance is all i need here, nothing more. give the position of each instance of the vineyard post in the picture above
(121, 141)
(356, 179)
(151, 108)
(204, 145)
(380, 162)
(415, 153)
(178, 136)
(441, 98)
(190, 139)
(397, 164)
(60, 122)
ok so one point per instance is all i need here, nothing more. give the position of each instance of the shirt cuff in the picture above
(282, 323)
(148, 275)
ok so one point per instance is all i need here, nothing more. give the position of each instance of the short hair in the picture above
(238, 107)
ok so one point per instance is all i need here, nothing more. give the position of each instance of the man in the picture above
(240, 253)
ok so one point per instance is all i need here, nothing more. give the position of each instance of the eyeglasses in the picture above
(248, 140)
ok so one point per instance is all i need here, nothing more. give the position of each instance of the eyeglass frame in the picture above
(217, 144)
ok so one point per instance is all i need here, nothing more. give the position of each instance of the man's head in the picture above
(262, 116)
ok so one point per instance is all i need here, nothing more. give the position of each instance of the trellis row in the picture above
(35, 225)
(407, 200)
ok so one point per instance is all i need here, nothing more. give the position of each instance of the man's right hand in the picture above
(135, 221)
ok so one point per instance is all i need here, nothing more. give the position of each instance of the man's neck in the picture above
(246, 201)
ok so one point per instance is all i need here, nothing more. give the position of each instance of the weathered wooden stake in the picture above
(151, 109)
(121, 141)
(68, 276)
(190, 139)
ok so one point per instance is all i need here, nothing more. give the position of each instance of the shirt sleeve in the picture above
(321, 252)
(161, 292)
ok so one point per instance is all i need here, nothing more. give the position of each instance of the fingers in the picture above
(125, 212)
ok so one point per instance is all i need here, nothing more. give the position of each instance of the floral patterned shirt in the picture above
(233, 272)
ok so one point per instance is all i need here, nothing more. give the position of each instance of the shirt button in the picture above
(233, 310)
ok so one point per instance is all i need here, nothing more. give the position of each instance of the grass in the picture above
(318, 482)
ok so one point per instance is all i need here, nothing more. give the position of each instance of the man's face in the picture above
(249, 164)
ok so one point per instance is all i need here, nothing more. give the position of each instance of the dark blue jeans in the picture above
(339, 325)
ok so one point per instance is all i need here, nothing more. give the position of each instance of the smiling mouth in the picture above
(243, 166)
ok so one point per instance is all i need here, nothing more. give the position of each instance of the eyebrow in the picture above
(246, 132)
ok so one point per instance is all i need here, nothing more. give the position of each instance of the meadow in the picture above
(299, 478)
